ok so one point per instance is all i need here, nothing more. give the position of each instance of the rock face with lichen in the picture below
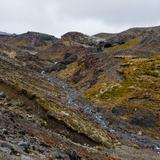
(80, 96)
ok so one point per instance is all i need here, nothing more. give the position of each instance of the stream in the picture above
(73, 100)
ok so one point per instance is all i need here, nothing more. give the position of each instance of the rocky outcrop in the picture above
(75, 37)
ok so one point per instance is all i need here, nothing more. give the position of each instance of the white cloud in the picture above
(87, 16)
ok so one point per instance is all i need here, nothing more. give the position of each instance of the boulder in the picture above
(59, 155)
(56, 67)
(24, 157)
(24, 145)
(143, 119)
(69, 58)
(119, 110)
(73, 155)
(2, 94)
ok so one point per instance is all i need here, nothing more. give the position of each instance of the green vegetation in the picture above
(69, 71)
(117, 91)
(78, 123)
(45, 95)
(99, 88)
(126, 45)
(138, 91)
(141, 75)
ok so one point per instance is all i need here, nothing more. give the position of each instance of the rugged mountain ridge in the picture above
(97, 95)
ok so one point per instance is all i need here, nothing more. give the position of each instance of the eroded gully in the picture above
(72, 99)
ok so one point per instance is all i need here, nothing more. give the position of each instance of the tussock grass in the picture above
(126, 45)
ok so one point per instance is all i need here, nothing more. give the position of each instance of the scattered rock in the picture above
(17, 103)
(57, 67)
(119, 110)
(4, 131)
(140, 133)
(73, 155)
(24, 145)
(143, 119)
(69, 58)
(23, 157)
(77, 77)
(4, 156)
(58, 155)
(7, 147)
(93, 81)
(2, 95)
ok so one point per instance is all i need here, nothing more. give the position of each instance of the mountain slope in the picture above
(95, 97)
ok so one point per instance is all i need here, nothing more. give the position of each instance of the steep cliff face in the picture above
(80, 96)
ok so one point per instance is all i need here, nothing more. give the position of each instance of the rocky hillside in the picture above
(79, 96)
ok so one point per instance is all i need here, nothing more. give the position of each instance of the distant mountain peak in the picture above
(5, 33)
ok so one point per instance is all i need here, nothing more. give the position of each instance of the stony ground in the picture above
(26, 134)
(80, 97)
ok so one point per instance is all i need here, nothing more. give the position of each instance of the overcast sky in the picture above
(88, 16)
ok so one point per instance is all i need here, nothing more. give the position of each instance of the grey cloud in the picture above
(87, 16)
